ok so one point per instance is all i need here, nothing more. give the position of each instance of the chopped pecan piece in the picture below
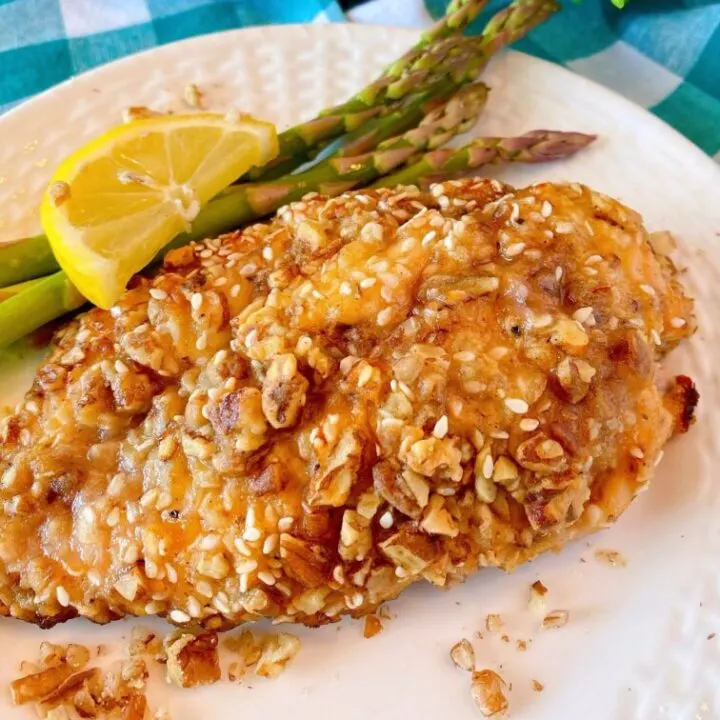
(192, 660)
(283, 393)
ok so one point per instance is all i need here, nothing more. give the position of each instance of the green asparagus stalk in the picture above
(9, 290)
(25, 259)
(451, 24)
(45, 300)
(333, 122)
(532, 147)
(449, 60)
(433, 58)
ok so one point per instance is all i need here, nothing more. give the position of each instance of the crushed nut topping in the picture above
(555, 619)
(610, 557)
(487, 691)
(373, 626)
(192, 660)
(278, 650)
(463, 655)
(538, 597)
(494, 622)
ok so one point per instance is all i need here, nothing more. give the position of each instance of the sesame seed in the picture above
(516, 405)
(564, 228)
(499, 435)
(242, 547)
(178, 616)
(201, 343)
(267, 253)
(246, 566)
(383, 317)
(121, 367)
(636, 452)
(647, 289)
(441, 427)
(62, 596)
(196, 301)
(404, 388)
(345, 288)
(248, 269)
(234, 291)
(270, 544)
(367, 283)
(252, 534)
(250, 338)
(158, 294)
(655, 335)
(591, 271)
(266, 577)
(428, 238)
(593, 260)
(515, 212)
(514, 249)
(392, 422)
(285, 523)
(365, 375)
(386, 293)
(386, 520)
(659, 458)
(464, 356)
(546, 209)
(542, 321)
(113, 517)
(529, 424)
(487, 467)
(678, 322)
(437, 190)
(558, 273)
(583, 314)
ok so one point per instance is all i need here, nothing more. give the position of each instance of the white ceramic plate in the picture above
(636, 645)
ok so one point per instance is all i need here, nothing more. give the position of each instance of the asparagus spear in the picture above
(430, 60)
(532, 147)
(333, 122)
(25, 259)
(449, 64)
(451, 24)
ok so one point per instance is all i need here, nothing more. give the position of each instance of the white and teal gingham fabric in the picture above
(663, 54)
(43, 42)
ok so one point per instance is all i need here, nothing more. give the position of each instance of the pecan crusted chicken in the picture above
(300, 420)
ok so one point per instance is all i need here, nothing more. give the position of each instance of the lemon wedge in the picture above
(115, 203)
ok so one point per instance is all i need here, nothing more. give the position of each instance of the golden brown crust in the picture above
(300, 420)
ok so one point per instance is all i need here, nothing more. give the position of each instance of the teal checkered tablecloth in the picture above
(663, 54)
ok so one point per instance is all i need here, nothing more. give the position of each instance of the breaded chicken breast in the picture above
(301, 419)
